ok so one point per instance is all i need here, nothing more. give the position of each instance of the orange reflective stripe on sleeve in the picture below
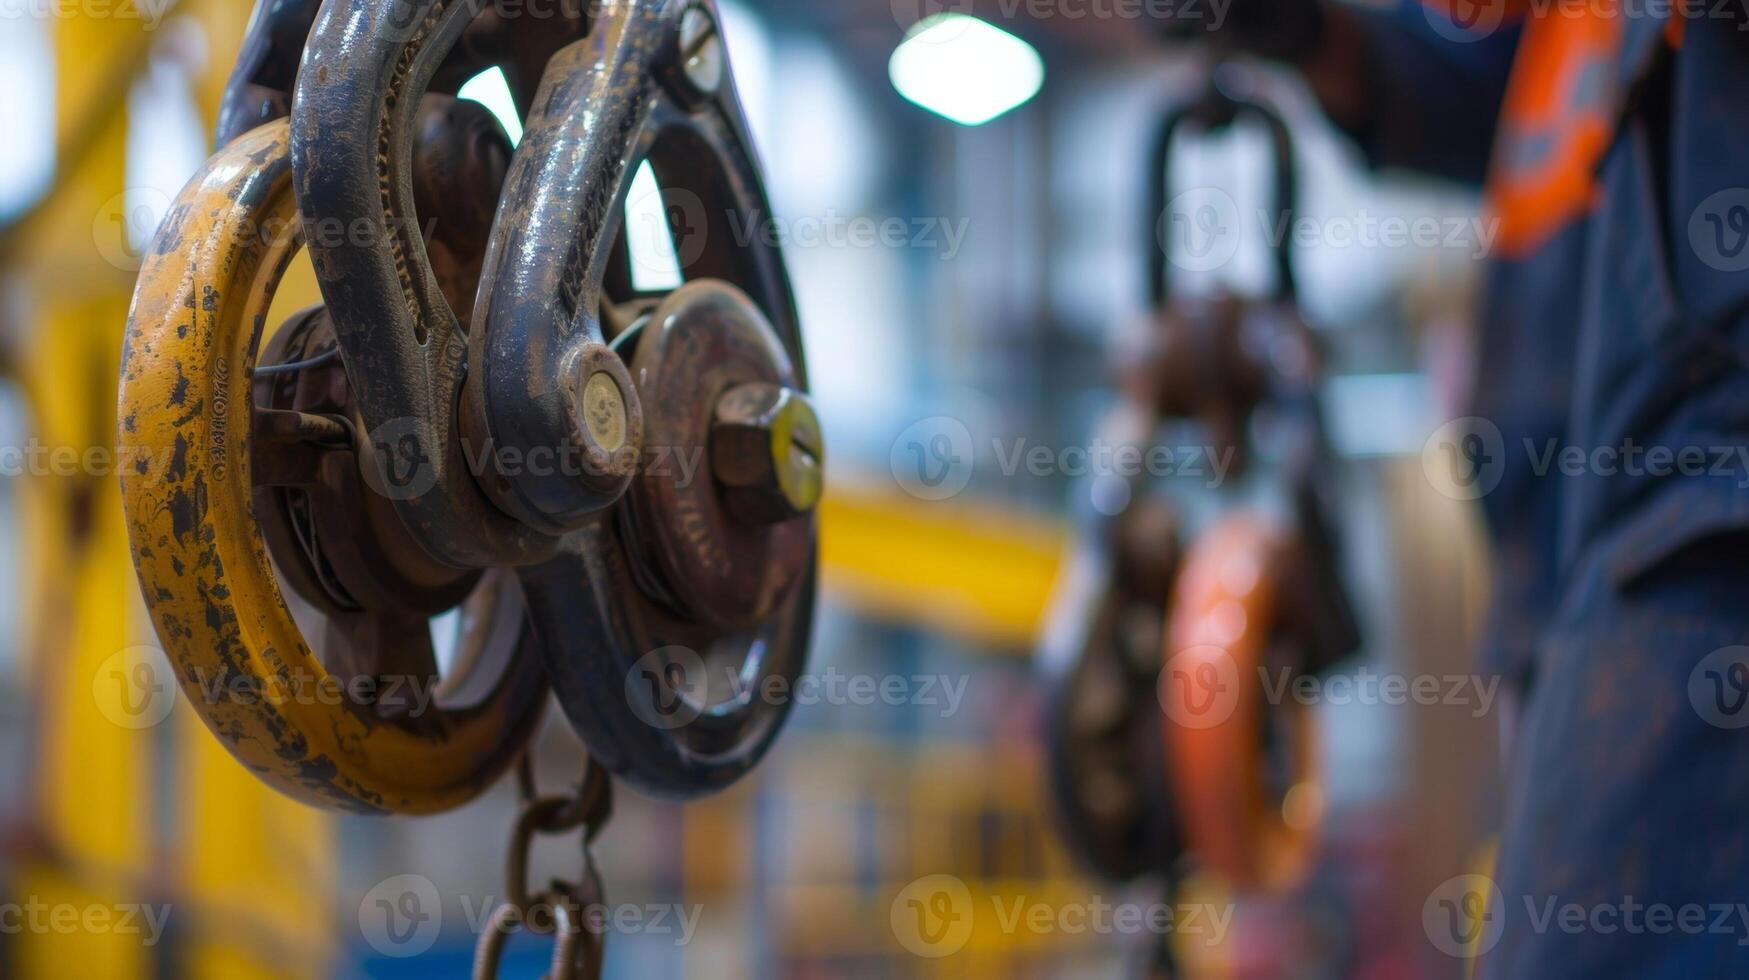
(1555, 123)
(1677, 25)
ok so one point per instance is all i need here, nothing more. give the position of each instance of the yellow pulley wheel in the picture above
(377, 731)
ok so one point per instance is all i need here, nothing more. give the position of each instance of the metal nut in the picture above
(766, 453)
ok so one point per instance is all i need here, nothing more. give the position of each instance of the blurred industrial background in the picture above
(953, 278)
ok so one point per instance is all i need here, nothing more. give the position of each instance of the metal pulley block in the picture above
(1112, 615)
(1246, 598)
(554, 422)
(1258, 600)
(460, 428)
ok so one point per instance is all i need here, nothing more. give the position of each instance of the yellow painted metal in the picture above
(222, 24)
(91, 813)
(943, 812)
(96, 59)
(199, 309)
(257, 871)
(91, 849)
(977, 572)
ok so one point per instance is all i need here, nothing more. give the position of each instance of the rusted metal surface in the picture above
(724, 568)
(560, 910)
(338, 545)
(405, 346)
(612, 104)
(540, 380)
(681, 612)
(461, 154)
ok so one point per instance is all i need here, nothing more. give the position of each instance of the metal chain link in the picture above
(562, 908)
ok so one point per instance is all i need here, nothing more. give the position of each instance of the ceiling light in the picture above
(966, 69)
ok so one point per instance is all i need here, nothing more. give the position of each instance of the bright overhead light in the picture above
(491, 89)
(966, 69)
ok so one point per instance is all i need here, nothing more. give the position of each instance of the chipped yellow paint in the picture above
(203, 295)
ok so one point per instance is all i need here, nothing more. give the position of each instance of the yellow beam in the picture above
(976, 571)
(246, 873)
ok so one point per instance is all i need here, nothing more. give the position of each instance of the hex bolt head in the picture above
(701, 51)
(606, 421)
(766, 453)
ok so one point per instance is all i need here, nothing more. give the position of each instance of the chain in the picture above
(560, 909)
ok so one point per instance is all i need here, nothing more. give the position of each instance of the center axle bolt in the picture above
(767, 454)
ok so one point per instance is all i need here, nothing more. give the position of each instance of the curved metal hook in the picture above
(1221, 104)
